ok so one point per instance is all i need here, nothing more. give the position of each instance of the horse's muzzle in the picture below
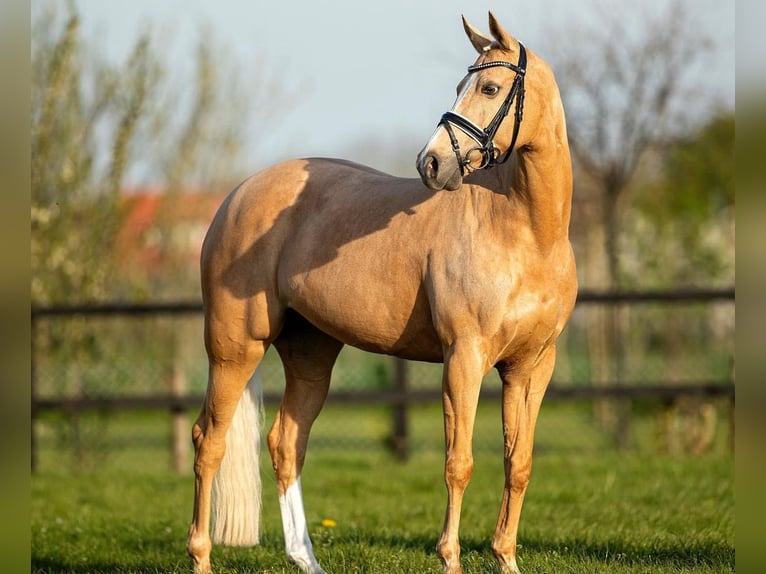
(437, 173)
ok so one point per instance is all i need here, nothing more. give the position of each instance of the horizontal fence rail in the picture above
(414, 396)
(399, 396)
(191, 307)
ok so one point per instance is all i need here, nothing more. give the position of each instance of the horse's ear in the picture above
(506, 41)
(479, 40)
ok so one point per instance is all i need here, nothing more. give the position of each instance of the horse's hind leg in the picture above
(228, 376)
(308, 356)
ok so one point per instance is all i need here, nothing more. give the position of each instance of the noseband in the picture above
(490, 155)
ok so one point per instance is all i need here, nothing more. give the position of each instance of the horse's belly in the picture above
(382, 313)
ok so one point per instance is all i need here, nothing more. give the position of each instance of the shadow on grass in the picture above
(53, 566)
(716, 556)
(657, 553)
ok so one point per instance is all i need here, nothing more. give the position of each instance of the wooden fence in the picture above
(400, 396)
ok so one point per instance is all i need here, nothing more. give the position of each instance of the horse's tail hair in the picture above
(237, 485)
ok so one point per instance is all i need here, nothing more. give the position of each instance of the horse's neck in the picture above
(539, 181)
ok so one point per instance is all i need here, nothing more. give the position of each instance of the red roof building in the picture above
(159, 228)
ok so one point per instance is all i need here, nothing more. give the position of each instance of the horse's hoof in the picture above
(307, 563)
(199, 548)
(509, 567)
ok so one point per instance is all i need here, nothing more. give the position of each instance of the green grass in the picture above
(588, 510)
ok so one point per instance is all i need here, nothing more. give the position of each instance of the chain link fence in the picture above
(113, 385)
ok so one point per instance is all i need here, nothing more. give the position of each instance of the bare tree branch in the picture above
(623, 80)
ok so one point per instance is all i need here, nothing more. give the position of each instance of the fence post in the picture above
(731, 410)
(180, 433)
(623, 406)
(33, 393)
(400, 438)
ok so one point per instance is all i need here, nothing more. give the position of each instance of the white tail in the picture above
(237, 485)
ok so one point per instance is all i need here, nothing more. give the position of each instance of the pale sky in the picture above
(366, 70)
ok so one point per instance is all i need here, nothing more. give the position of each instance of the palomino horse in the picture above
(473, 269)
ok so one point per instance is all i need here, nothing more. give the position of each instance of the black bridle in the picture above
(490, 155)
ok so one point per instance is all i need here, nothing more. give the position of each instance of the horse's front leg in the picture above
(522, 395)
(464, 367)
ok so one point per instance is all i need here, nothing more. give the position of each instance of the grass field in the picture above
(589, 509)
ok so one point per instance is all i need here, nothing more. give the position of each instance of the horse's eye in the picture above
(490, 90)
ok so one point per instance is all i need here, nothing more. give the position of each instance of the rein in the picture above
(490, 155)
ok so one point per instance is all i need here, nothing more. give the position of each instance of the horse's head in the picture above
(484, 125)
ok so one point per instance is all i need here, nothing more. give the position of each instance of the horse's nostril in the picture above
(430, 166)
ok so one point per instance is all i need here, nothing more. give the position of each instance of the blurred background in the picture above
(145, 115)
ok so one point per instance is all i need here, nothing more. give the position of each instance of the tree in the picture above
(75, 204)
(93, 124)
(625, 87)
(624, 81)
(681, 223)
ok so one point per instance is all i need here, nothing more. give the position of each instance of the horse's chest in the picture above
(502, 297)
